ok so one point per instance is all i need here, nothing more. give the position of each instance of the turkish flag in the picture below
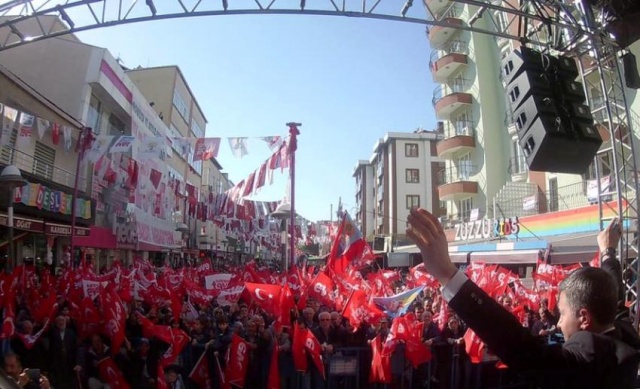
(380, 365)
(266, 296)
(200, 373)
(111, 375)
(313, 347)
(286, 304)
(273, 382)
(473, 346)
(297, 348)
(262, 176)
(358, 309)
(55, 133)
(237, 361)
(114, 317)
(321, 289)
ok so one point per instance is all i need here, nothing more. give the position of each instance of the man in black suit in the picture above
(596, 354)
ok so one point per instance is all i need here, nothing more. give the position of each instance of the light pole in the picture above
(11, 178)
(283, 213)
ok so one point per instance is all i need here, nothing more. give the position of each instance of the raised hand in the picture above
(427, 233)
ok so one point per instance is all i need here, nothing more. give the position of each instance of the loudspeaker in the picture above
(630, 66)
(555, 128)
(534, 107)
(522, 60)
(525, 85)
(560, 147)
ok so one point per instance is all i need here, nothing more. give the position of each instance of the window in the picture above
(464, 167)
(93, 116)
(518, 162)
(464, 208)
(197, 131)
(413, 176)
(411, 150)
(44, 158)
(443, 204)
(413, 201)
(116, 126)
(180, 105)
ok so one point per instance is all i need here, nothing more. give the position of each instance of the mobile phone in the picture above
(34, 375)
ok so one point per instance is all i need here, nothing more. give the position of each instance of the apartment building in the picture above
(169, 94)
(89, 84)
(487, 184)
(47, 160)
(402, 172)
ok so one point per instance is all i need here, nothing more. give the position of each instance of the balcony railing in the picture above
(518, 165)
(30, 164)
(456, 86)
(459, 128)
(563, 198)
(462, 172)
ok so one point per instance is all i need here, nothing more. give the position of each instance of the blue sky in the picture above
(348, 81)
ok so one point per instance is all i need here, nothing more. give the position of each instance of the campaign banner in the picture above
(217, 281)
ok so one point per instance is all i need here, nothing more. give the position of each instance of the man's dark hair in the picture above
(593, 289)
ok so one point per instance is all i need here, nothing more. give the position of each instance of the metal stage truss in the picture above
(560, 27)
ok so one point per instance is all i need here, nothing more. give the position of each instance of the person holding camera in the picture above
(24, 378)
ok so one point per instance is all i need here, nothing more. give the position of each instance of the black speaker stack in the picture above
(555, 128)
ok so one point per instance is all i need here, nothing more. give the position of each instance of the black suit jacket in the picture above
(586, 360)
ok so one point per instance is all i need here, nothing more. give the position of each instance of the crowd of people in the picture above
(139, 326)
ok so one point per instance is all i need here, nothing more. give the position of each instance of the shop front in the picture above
(42, 222)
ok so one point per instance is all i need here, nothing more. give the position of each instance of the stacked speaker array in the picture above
(555, 127)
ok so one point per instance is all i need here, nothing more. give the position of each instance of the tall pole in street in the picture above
(12, 179)
(84, 142)
(293, 146)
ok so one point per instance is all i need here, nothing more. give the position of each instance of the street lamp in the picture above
(283, 212)
(11, 178)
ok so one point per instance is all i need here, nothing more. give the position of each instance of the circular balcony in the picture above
(461, 140)
(447, 100)
(456, 184)
(436, 5)
(448, 60)
(438, 35)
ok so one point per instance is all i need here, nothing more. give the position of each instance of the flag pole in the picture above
(293, 145)
(84, 141)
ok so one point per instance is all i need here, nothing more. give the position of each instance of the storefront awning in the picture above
(507, 257)
(573, 248)
(456, 256)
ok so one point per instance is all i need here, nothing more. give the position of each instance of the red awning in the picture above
(99, 238)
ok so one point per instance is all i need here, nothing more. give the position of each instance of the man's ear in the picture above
(586, 321)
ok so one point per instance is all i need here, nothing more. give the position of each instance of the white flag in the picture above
(122, 144)
(66, 135)
(26, 129)
(43, 126)
(152, 147)
(274, 142)
(9, 117)
(99, 147)
(238, 147)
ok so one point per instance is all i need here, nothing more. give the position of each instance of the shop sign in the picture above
(487, 229)
(64, 230)
(126, 233)
(21, 223)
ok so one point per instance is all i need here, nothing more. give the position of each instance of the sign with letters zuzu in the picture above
(487, 229)
(217, 281)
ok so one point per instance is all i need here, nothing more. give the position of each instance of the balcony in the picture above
(459, 137)
(436, 5)
(447, 100)
(518, 168)
(456, 183)
(448, 60)
(439, 35)
(29, 164)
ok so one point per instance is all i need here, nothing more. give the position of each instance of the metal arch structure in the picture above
(82, 15)
(568, 27)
